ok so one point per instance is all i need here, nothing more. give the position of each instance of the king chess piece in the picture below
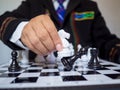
(94, 63)
(69, 61)
(14, 66)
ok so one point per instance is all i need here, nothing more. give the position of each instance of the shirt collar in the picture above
(56, 0)
(55, 3)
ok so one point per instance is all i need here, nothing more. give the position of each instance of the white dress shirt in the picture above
(17, 34)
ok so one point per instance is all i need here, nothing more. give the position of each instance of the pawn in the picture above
(14, 66)
(94, 63)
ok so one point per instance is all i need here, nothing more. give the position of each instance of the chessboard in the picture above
(37, 76)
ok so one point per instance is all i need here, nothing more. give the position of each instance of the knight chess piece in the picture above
(94, 63)
(14, 66)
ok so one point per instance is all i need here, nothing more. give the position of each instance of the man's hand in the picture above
(40, 35)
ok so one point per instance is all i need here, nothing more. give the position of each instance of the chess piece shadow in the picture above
(14, 66)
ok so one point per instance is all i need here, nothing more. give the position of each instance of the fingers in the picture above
(32, 42)
(40, 35)
(44, 37)
(53, 32)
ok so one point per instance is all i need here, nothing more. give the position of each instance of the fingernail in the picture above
(59, 47)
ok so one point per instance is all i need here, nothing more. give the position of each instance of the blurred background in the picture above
(109, 8)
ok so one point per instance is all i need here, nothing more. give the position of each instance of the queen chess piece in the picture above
(14, 66)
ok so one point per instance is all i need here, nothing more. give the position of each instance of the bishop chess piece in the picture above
(94, 63)
(14, 66)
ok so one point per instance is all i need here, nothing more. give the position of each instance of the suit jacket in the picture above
(83, 20)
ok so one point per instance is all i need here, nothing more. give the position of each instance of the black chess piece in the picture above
(69, 61)
(94, 63)
(14, 66)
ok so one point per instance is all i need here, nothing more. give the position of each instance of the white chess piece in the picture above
(79, 47)
(64, 36)
(71, 48)
(89, 54)
(40, 59)
(51, 58)
(67, 47)
(84, 61)
(24, 60)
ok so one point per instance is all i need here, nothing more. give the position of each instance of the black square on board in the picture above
(49, 74)
(36, 66)
(113, 76)
(103, 68)
(109, 65)
(117, 70)
(73, 78)
(50, 67)
(25, 80)
(32, 71)
(88, 72)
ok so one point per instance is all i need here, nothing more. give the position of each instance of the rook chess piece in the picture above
(14, 66)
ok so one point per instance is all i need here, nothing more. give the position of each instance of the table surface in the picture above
(51, 76)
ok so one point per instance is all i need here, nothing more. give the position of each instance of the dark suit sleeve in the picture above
(10, 20)
(102, 37)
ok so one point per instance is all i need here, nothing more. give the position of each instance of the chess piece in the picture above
(67, 51)
(51, 58)
(24, 60)
(82, 61)
(67, 46)
(69, 61)
(14, 66)
(94, 63)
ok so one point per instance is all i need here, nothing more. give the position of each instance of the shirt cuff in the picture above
(17, 34)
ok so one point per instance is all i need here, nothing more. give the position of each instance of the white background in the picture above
(109, 9)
